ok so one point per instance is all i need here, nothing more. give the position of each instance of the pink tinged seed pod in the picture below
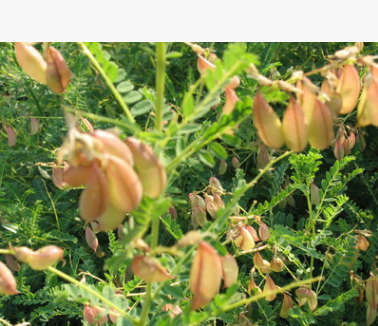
(287, 304)
(338, 150)
(205, 275)
(150, 170)
(172, 213)
(204, 64)
(125, 188)
(349, 88)
(335, 102)
(31, 61)
(12, 263)
(95, 197)
(218, 200)
(57, 177)
(371, 315)
(308, 97)
(321, 133)
(269, 287)
(76, 176)
(264, 232)
(7, 281)
(58, 74)
(112, 145)
(295, 128)
(267, 123)
(211, 207)
(149, 269)
(304, 295)
(91, 315)
(23, 254)
(235, 82)
(34, 126)
(44, 257)
(262, 264)
(215, 185)
(230, 270)
(263, 157)
(173, 309)
(231, 99)
(196, 200)
(245, 239)
(252, 230)
(91, 238)
(362, 242)
(12, 136)
(367, 112)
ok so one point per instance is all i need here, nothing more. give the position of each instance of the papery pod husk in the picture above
(34, 126)
(267, 123)
(270, 286)
(31, 61)
(91, 238)
(276, 264)
(196, 200)
(172, 213)
(149, 269)
(321, 132)
(112, 145)
(367, 111)
(230, 270)
(362, 243)
(205, 275)
(371, 315)
(76, 176)
(110, 219)
(215, 183)
(301, 294)
(264, 232)
(349, 88)
(8, 283)
(252, 285)
(335, 100)
(91, 315)
(312, 300)
(198, 216)
(95, 197)
(262, 264)
(263, 157)
(58, 74)
(12, 136)
(287, 304)
(222, 167)
(235, 162)
(12, 263)
(246, 242)
(371, 291)
(125, 188)
(307, 99)
(44, 257)
(211, 208)
(294, 126)
(231, 99)
(150, 170)
(173, 309)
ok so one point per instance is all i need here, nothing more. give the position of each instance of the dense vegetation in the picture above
(313, 211)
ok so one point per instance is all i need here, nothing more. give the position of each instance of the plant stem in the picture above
(108, 82)
(95, 293)
(160, 83)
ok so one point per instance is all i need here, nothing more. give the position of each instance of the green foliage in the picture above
(115, 81)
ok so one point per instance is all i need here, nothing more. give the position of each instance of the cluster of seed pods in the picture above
(38, 260)
(310, 114)
(211, 204)
(51, 69)
(115, 173)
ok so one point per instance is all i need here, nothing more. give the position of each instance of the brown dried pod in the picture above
(149, 269)
(12, 263)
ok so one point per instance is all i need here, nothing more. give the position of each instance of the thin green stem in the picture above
(160, 83)
(93, 292)
(312, 222)
(108, 82)
(261, 296)
(6, 252)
